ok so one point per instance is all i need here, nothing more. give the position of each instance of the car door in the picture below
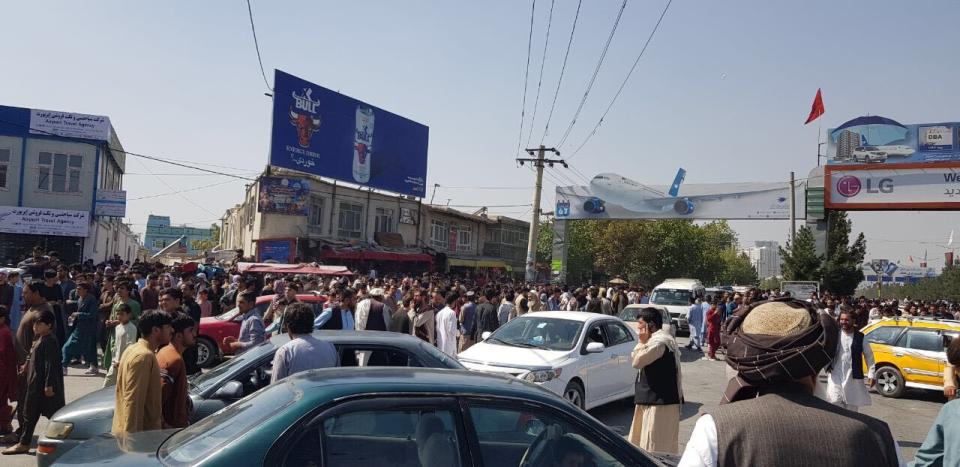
(598, 370)
(621, 343)
(253, 377)
(921, 354)
(505, 433)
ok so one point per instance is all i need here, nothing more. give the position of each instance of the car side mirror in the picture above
(595, 347)
(231, 390)
(485, 335)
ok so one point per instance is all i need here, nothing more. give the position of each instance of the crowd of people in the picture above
(138, 323)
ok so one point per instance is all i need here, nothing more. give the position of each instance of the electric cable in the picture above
(256, 45)
(546, 129)
(543, 61)
(526, 77)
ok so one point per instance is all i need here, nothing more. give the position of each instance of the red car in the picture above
(210, 346)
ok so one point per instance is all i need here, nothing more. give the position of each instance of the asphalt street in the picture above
(703, 383)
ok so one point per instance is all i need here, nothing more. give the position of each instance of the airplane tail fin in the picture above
(863, 140)
(675, 187)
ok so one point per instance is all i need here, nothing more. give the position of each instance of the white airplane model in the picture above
(637, 197)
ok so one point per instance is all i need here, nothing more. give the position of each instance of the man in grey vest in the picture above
(769, 415)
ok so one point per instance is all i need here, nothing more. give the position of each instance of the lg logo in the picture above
(849, 186)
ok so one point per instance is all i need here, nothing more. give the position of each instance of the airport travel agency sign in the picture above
(931, 186)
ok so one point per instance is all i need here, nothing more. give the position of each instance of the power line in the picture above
(256, 45)
(625, 80)
(173, 174)
(175, 190)
(479, 205)
(546, 129)
(596, 71)
(484, 187)
(526, 76)
(543, 61)
(180, 191)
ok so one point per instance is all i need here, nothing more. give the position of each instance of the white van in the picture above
(676, 295)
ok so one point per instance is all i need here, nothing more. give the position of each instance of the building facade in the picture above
(329, 221)
(52, 167)
(160, 234)
(765, 257)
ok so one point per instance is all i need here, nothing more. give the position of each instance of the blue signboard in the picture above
(879, 140)
(322, 132)
(279, 250)
(284, 196)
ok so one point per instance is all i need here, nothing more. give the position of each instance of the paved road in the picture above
(703, 382)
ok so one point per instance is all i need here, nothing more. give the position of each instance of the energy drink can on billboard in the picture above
(363, 144)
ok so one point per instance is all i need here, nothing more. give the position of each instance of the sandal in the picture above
(17, 449)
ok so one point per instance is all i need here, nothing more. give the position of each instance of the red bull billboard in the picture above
(325, 133)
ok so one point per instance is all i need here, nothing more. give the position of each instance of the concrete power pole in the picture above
(538, 162)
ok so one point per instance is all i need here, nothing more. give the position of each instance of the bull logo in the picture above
(362, 152)
(307, 123)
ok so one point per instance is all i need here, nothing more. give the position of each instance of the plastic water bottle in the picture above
(363, 144)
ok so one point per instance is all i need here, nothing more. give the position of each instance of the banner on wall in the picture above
(110, 203)
(325, 133)
(281, 250)
(612, 196)
(284, 195)
(41, 221)
(69, 124)
(931, 186)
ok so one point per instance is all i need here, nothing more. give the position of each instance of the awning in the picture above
(370, 255)
(477, 263)
(274, 268)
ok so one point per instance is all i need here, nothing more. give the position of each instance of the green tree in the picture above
(545, 242)
(205, 244)
(215, 233)
(800, 259)
(842, 270)
(737, 269)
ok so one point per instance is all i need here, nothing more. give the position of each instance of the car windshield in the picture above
(228, 315)
(192, 444)
(675, 297)
(201, 382)
(538, 332)
(447, 360)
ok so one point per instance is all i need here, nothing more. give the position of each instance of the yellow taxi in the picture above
(909, 352)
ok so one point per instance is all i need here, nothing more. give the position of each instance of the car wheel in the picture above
(574, 394)
(206, 352)
(890, 382)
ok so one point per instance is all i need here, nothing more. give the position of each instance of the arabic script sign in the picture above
(893, 186)
(40, 221)
(69, 125)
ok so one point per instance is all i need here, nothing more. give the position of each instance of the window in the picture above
(923, 340)
(539, 332)
(350, 224)
(158, 243)
(617, 333)
(465, 239)
(385, 436)
(315, 213)
(385, 221)
(506, 434)
(439, 234)
(4, 164)
(493, 235)
(885, 335)
(377, 357)
(59, 173)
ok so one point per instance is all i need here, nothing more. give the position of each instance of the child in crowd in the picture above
(203, 299)
(125, 335)
(44, 390)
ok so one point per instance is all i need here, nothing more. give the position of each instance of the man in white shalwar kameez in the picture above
(845, 382)
(447, 327)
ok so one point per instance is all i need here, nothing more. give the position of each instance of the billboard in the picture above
(322, 132)
(110, 203)
(612, 196)
(69, 125)
(283, 195)
(914, 186)
(879, 141)
(281, 250)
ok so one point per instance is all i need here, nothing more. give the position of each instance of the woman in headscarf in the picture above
(714, 320)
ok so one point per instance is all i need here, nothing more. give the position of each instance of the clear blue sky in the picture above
(722, 91)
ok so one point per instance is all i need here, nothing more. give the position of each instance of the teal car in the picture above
(382, 417)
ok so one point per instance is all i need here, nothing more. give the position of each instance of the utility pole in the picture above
(539, 162)
(793, 209)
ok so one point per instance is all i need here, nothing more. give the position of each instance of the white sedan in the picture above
(584, 357)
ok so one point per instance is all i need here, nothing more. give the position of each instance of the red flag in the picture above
(817, 110)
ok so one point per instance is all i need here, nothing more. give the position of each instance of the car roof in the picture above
(916, 322)
(570, 315)
(357, 337)
(334, 383)
(681, 283)
(303, 297)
